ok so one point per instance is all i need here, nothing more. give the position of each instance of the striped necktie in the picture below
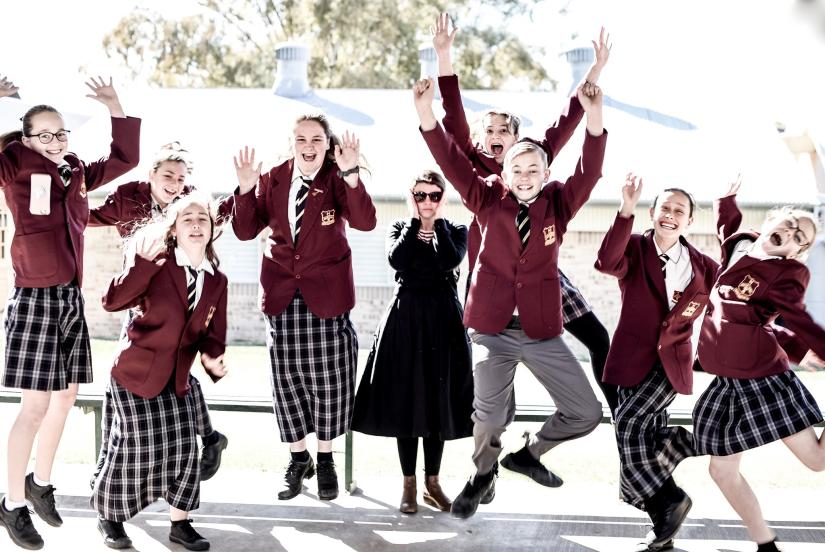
(663, 259)
(65, 172)
(191, 287)
(300, 200)
(523, 224)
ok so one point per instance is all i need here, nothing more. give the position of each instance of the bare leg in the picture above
(33, 408)
(177, 515)
(48, 438)
(809, 448)
(324, 446)
(298, 446)
(725, 473)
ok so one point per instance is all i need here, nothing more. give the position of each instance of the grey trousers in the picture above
(554, 366)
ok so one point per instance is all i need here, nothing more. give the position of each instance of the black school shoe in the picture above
(327, 480)
(666, 523)
(114, 535)
(211, 457)
(294, 477)
(491, 494)
(524, 463)
(183, 533)
(648, 546)
(42, 499)
(477, 488)
(19, 524)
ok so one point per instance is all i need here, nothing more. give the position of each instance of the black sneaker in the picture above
(327, 480)
(42, 499)
(294, 477)
(114, 535)
(183, 533)
(466, 503)
(211, 457)
(19, 524)
(524, 463)
(668, 521)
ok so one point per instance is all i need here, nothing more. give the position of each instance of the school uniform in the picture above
(152, 449)
(507, 278)
(651, 356)
(755, 398)
(308, 291)
(47, 341)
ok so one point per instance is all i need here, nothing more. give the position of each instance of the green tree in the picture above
(354, 43)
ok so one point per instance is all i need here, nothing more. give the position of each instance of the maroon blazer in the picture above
(131, 203)
(648, 329)
(738, 339)
(321, 265)
(161, 338)
(506, 276)
(455, 124)
(47, 250)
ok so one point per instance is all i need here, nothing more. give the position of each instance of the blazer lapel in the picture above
(698, 266)
(204, 302)
(314, 200)
(178, 275)
(536, 212)
(653, 269)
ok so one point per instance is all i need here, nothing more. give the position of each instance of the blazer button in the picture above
(297, 257)
(297, 276)
(519, 285)
(665, 324)
(522, 261)
(659, 347)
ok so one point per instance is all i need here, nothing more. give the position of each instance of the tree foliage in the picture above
(354, 43)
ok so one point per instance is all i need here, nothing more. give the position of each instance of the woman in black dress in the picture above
(418, 379)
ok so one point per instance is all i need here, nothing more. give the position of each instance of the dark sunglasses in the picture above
(435, 197)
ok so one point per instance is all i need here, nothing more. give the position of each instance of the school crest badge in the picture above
(82, 184)
(327, 217)
(209, 316)
(691, 309)
(746, 288)
(549, 234)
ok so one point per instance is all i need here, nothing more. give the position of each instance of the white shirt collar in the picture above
(182, 259)
(674, 254)
(296, 173)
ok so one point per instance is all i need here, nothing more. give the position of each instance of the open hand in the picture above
(442, 37)
(7, 88)
(248, 173)
(348, 153)
(733, 187)
(105, 94)
(631, 192)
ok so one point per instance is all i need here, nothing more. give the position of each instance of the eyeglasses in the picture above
(435, 197)
(47, 137)
(799, 236)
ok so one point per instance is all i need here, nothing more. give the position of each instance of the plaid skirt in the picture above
(735, 415)
(573, 303)
(47, 341)
(649, 449)
(151, 453)
(313, 372)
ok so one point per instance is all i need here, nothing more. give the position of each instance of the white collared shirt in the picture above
(678, 271)
(745, 247)
(294, 186)
(182, 259)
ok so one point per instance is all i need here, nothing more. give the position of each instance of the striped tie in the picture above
(300, 200)
(523, 224)
(65, 172)
(191, 287)
(663, 259)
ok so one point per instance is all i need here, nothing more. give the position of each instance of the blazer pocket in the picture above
(35, 254)
(738, 345)
(134, 364)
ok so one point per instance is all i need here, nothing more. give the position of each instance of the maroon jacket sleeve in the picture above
(225, 207)
(728, 217)
(458, 170)
(455, 119)
(790, 343)
(614, 257)
(577, 188)
(250, 212)
(788, 294)
(124, 154)
(109, 213)
(558, 134)
(214, 342)
(9, 164)
(126, 288)
(355, 203)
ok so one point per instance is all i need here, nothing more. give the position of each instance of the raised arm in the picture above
(455, 165)
(109, 213)
(614, 256)
(788, 295)
(726, 213)
(250, 200)
(126, 288)
(356, 203)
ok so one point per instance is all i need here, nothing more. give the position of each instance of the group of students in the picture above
(436, 371)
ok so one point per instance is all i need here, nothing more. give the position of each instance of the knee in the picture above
(32, 415)
(64, 400)
(722, 474)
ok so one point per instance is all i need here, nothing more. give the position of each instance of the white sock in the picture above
(9, 505)
(38, 482)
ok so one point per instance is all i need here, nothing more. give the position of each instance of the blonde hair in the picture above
(523, 147)
(798, 214)
(172, 152)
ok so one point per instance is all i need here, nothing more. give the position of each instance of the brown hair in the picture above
(17, 135)
(322, 120)
(428, 176)
(512, 120)
(685, 193)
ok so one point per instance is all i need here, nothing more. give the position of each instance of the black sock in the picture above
(523, 456)
(210, 439)
(767, 547)
(174, 523)
(324, 456)
(301, 456)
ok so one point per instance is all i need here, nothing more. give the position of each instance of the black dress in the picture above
(418, 380)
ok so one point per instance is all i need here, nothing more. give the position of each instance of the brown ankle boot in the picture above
(434, 496)
(408, 502)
